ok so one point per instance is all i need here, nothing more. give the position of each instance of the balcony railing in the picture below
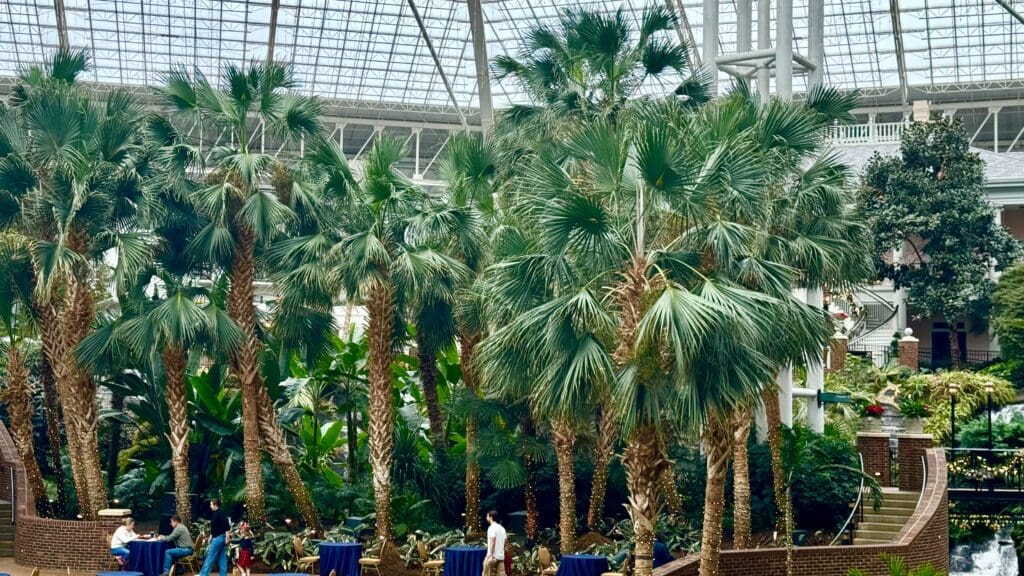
(968, 358)
(870, 133)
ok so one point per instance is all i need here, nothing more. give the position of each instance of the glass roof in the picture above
(373, 53)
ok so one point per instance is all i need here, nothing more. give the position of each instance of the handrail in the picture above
(893, 310)
(924, 481)
(856, 505)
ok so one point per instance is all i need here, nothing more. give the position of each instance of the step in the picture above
(864, 541)
(884, 517)
(874, 534)
(878, 527)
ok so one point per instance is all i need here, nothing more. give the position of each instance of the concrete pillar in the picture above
(785, 383)
(874, 448)
(815, 371)
(761, 424)
(744, 27)
(909, 350)
(764, 42)
(837, 352)
(816, 42)
(921, 111)
(911, 447)
(709, 49)
(784, 50)
(483, 78)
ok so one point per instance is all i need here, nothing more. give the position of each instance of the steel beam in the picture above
(816, 42)
(784, 50)
(275, 6)
(483, 78)
(685, 33)
(62, 24)
(901, 60)
(1006, 6)
(744, 26)
(710, 45)
(437, 61)
(764, 42)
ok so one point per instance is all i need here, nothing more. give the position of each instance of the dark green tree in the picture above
(1008, 312)
(930, 202)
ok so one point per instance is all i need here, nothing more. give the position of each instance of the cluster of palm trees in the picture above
(625, 246)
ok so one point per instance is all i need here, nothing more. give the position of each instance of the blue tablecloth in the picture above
(147, 556)
(288, 574)
(464, 560)
(340, 556)
(661, 554)
(104, 574)
(582, 565)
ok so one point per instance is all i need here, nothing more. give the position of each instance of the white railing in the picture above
(870, 133)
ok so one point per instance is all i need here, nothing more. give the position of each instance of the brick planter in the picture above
(924, 539)
(874, 446)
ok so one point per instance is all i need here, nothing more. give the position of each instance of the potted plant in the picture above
(914, 413)
(871, 417)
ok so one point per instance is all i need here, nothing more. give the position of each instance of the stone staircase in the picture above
(881, 527)
(6, 531)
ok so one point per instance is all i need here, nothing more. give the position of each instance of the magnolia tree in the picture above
(930, 202)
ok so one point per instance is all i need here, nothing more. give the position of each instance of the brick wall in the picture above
(924, 539)
(911, 448)
(874, 447)
(60, 544)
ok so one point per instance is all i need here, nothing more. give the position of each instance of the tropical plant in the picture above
(913, 409)
(243, 218)
(970, 388)
(897, 566)
(72, 188)
(1008, 312)
(934, 190)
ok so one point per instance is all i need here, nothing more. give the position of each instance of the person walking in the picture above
(220, 532)
(181, 544)
(494, 563)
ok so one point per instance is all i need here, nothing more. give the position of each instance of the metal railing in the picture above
(973, 358)
(984, 470)
(881, 353)
(856, 505)
(870, 133)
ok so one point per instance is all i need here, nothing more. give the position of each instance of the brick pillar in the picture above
(911, 448)
(874, 447)
(908, 350)
(837, 353)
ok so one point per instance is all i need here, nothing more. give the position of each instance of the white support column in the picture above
(709, 48)
(815, 371)
(483, 78)
(899, 295)
(764, 42)
(784, 50)
(816, 42)
(744, 27)
(785, 383)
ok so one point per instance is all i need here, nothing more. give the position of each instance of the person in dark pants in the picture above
(181, 544)
(220, 532)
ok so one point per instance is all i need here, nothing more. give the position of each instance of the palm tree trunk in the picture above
(645, 466)
(607, 433)
(115, 442)
(718, 445)
(564, 438)
(18, 395)
(428, 380)
(467, 351)
(245, 363)
(277, 447)
(741, 480)
(381, 309)
(667, 481)
(352, 436)
(530, 490)
(177, 410)
(954, 345)
(51, 409)
(770, 398)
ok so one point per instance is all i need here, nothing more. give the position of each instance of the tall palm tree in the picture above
(359, 240)
(72, 188)
(243, 219)
(16, 316)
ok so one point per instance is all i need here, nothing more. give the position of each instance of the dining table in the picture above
(464, 560)
(342, 557)
(147, 556)
(582, 565)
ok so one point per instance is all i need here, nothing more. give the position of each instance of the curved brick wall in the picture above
(47, 542)
(925, 539)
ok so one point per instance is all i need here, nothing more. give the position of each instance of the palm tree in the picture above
(360, 240)
(73, 191)
(15, 313)
(243, 218)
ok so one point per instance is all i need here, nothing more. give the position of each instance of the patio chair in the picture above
(35, 572)
(195, 560)
(547, 567)
(112, 563)
(301, 560)
(434, 567)
(371, 563)
(623, 570)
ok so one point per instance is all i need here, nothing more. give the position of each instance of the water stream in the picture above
(996, 557)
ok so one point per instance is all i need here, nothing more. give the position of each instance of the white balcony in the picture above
(871, 133)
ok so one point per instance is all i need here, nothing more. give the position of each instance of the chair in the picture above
(112, 563)
(370, 563)
(173, 570)
(429, 566)
(301, 560)
(195, 560)
(333, 573)
(547, 567)
(623, 570)
(35, 572)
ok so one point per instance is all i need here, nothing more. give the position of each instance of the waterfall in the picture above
(996, 557)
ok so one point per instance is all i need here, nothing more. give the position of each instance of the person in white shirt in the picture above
(494, 563)
(122, 536)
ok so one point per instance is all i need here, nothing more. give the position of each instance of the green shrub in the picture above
(913, 409)
(1005, 434)
(1012, 370)
(971, 396)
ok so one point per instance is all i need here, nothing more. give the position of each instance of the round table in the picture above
(464, 560)
(147, 556)
(340, 556)
(582, 565)
(107, 574)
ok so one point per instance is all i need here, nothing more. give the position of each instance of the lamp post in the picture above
(989, 386)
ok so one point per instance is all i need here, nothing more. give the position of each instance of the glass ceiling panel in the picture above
(372, 52)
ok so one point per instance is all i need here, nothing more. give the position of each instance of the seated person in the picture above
(661, 555)
(122, 536)
(181, 544)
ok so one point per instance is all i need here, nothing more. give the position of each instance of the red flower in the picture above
(875, 410)
(842, 315)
